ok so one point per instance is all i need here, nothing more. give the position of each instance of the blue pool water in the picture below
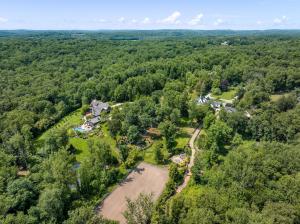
(79, 129)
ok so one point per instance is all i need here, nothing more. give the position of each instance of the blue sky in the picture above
(149, 14)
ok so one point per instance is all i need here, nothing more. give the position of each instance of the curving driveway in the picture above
(192, 159)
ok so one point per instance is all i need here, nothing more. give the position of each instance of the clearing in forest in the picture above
(145, 178)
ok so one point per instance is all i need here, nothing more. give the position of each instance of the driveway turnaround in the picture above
(145, 178)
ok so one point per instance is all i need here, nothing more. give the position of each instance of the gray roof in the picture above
(203, 99)
(216, 104)
(98, 107)
(94, 120)
(230, 109)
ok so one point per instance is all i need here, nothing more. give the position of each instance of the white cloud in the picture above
(218, 22)
(196, 20)
(259, 22)
(172, 19)
(133, 21)
(280, 20)
(121, 19)
(3, 20)
(146, 20)
(101, 20)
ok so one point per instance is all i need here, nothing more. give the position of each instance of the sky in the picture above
(149, 14)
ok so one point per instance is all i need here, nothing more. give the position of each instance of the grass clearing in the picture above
(72, 119)
(148, 154)
(182, 140)
(228, 95)
(82, 147)
(184, 136)
(276, 97)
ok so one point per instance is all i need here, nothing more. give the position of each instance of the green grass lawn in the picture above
(229, 95)
(183, 137)
(148, 154)
(182, 140)
(73, 119)
(82, 147)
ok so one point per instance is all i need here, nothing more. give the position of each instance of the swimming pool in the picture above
(80, 129)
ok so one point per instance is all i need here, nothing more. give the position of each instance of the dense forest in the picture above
(247, 169)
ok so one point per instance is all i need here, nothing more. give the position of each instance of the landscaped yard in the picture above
(80, 144)
(149, 153)
(229, 95)
(182, 140)
(73, 119)
(102, 135)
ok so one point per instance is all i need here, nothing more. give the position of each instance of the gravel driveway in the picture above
(145, 178)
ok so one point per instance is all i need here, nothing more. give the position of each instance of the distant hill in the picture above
(142, 34)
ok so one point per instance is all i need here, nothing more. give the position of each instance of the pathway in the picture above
(117, 105)
(192, 159)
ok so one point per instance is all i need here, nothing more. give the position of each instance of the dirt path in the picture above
(192, 159)
(145, 178)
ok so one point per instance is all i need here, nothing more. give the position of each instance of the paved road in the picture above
(192, 159)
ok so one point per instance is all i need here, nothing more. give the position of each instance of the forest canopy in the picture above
(248, 168)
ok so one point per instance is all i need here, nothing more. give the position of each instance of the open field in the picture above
(276, 97)
(228, 95)
(145, 178)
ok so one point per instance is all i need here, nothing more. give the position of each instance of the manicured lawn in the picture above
(82, 147)
(181, 142)
(184, 137)
(107, 137)
(73, 119)
(149, 153)
(81, 144)
(229, 95)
